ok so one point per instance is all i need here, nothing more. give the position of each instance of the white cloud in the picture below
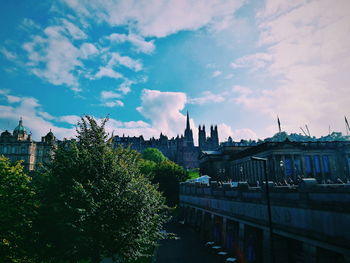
(216, 73)
(163, 110)
(8, 54)
(30, 111)
(46, 115)
(13, 99)
(108, 99)
(245, 134)
(136, 124)
(307, 52)
(111, 104)
(74, 31)
(157, 18)
(253, 61)
(53, 57)
(139, 43)
(117, 59)
(229, 76)
(108, 72)
(207, 97)
(275, 8)
(71, 119)
(242, 90)
(109, 95)
(125, 87)
(87, 50)
(4, 91)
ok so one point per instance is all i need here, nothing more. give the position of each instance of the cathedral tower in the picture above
(202, 138)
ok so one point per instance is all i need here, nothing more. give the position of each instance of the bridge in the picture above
(310, 222)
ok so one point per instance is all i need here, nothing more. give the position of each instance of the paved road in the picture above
(188, 248)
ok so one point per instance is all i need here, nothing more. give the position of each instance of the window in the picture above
(308, 168)
(5, 149)
(325, 162)
(288, 166)
(317, 164)
(23, 150)
(297, 166)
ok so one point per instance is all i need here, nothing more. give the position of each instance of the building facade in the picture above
(310, 222)
(208, 143)
(287, 162)
(20, 146)
(180, 150)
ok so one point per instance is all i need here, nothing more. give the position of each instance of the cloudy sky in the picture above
(234, 63)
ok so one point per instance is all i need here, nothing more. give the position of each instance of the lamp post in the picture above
(241, 171)
(267, 193)
(282, 169)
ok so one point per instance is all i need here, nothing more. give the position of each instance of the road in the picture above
(186, 248)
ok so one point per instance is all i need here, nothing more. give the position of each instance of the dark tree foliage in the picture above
(96, 203)
(17, 209)
(168, 176)
(165, 173)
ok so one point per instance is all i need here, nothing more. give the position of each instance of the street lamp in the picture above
(241, 171)
(282, 169)
(267, 193)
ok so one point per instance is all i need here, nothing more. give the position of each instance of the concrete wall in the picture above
(310, 223)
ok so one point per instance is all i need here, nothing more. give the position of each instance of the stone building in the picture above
(20, 146)
(181, 149)
(211, 142)
(327, 161)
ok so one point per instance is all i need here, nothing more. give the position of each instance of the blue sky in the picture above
(237, 64)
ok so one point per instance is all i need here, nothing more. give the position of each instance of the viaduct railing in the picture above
(316, 214)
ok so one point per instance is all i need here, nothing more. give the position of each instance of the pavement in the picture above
(187, 247)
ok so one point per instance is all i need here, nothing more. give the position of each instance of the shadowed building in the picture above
(287, 161)
(180, 150)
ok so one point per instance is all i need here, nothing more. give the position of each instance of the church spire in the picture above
(188, 122)
(188, 132)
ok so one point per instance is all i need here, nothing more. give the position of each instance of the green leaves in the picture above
(91, 202)
(18, 208)
(163, 172)
(97, 203)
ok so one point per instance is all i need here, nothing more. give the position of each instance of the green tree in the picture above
(168, 176)
(17, 207)
(96, 203)
(153, 154)
(165, 173)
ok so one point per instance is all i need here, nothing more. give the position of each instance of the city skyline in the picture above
(237, 64)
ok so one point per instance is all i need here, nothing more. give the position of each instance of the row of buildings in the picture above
(19, 145)
(289, 157)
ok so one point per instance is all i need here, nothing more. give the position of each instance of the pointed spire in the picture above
(188, 122)
(20, 121)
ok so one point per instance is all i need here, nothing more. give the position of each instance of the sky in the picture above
(237, 64)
